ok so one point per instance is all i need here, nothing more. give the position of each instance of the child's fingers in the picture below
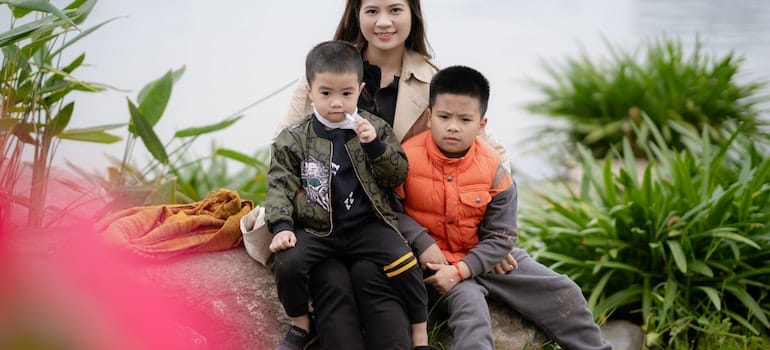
(512, 264)
(283, 240)
(430, 280)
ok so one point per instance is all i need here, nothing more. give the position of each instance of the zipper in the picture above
(368, 195)
(331, 205)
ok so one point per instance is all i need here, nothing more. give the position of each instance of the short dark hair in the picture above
(460, 80)
(334, 56)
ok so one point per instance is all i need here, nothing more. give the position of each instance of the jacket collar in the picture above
(413, 66)
(416, 72)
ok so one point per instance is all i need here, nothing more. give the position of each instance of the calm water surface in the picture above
(237, 51)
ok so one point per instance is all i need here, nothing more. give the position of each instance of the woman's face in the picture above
(385, 24)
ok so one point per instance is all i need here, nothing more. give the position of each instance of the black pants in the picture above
(350, 295)
(375, 242)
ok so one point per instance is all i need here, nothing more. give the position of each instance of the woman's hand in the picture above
(283, 240)
(365, 130)
(444, 279)
(507, 264)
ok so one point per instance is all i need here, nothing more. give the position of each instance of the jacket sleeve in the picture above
(390, 166)
(498, 230)
(283, 183)
(416, 235)
(299, 106)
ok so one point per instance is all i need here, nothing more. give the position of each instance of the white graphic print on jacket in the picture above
(349, 201)
(315, 180)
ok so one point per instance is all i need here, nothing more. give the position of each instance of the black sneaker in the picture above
(298, 339)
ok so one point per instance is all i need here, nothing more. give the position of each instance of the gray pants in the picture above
(551, 301)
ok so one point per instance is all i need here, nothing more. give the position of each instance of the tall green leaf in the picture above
(678, 254)
(37, 5)
(62, 119)
(201, 130)
(749, 302)
(89, 136)
(80, 36)
(154, 97)
(713, 295)
(26, 30)
(149, 138)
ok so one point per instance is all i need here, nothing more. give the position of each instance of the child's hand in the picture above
(283, 240)
(507, 264)
(365, 131)
(444, 279)
(431, 255)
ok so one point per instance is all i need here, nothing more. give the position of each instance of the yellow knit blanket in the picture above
(162, 231)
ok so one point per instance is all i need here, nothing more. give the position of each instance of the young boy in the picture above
(330, 178)
(457, 188)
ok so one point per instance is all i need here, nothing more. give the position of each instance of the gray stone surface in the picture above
(230, 288)
(623, 335)
(238, 292)
(509, 330)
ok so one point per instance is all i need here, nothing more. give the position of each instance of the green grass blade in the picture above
(713, 295)
(749, 302)
(678, 254)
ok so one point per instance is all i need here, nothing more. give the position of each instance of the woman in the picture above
(398, 70)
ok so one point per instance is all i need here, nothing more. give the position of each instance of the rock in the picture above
(231, 289)
(232, 299)
(509, 330)
(623, 335)
(238, 292)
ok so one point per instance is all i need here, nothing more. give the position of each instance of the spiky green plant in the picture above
(682, 245)
(601, 101)
(35, 85)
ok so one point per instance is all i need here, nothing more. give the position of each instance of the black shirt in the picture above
(378, 101)
(349, 204)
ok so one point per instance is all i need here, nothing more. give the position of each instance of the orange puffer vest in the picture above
(462, 185)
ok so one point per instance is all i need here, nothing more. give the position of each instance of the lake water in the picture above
(237, 51)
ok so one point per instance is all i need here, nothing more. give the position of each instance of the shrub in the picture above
(681, 248)
(601, 101)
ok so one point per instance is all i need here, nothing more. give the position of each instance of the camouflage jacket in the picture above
(293, 195)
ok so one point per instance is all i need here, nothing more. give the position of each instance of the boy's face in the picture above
(455, 121)
(334, 94)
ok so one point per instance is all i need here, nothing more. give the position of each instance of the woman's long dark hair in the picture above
(349, 28)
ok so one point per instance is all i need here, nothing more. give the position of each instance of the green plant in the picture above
(35, 83)
(601, 101)
(195, 178)
(437, 322)
(676, 248)
(170, 176)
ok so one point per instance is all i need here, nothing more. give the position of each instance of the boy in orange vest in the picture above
(457, 189)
